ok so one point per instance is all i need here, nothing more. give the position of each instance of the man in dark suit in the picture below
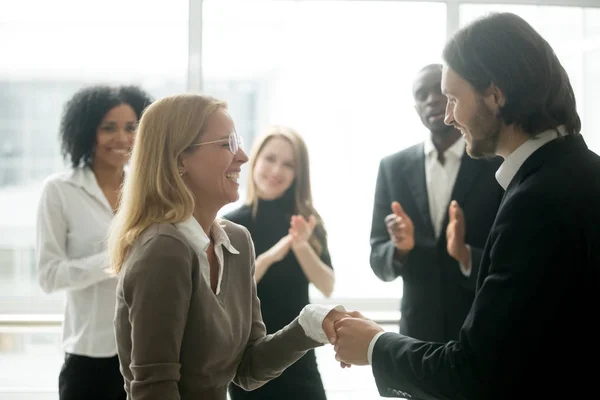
(532, 327)
(434, 207)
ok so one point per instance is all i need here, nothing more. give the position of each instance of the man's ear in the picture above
(495, 96)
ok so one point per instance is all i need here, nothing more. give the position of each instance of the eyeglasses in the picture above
(234, 140)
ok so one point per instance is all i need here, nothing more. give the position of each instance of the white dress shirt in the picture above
(441, 179)
(311, 317)
(197, 238)
(504, 175)
(510, 166)
(73, 219)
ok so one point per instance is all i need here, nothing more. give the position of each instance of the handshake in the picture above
(351, 334)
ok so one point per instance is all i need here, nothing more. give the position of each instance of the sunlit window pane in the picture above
(341, 74)
(50, 50)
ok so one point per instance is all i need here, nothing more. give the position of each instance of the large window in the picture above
(49, 50)
(341, 74)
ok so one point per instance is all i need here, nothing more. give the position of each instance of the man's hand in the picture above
(354, 335)
(455, 235)
(401, 229)
(329, 323)
(329, 327)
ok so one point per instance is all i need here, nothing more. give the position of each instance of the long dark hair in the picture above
(504, 50)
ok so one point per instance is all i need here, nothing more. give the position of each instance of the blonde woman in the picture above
(188, 320)
(291, 245)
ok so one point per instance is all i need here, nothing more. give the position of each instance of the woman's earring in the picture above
(181, 173)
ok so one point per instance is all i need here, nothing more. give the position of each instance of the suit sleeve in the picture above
(530, 247)
(477, 252)
(383, 260)
(470, 282)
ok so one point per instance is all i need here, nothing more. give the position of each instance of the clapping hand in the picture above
(401, 229)
(455, 234)
(301, 230)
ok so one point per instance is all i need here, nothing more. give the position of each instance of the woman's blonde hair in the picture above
(154, 191)
(303, 202)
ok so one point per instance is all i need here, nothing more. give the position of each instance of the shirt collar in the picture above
(457, 148)
(84, 178)
(512, 163)
(198, 239)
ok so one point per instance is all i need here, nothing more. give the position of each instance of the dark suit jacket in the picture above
(533, 321)
(436, 295)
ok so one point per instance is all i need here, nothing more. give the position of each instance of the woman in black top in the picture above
(291, 247)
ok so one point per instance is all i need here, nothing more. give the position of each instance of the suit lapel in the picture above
(553, 150)
(415, 173)
(467, 173)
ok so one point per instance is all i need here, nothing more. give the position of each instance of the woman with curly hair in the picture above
(74, 213)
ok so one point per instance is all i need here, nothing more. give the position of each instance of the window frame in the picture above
(385, 310)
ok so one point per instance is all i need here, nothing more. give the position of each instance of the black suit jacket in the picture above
(436, 295)
(533, 324)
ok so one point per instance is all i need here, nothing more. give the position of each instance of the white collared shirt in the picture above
(514, 161)
(199, 241)
(73, 218)
(441, 179)
(440, 183)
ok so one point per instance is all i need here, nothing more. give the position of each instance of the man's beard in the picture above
(487, 126)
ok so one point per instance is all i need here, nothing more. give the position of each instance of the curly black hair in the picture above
(85, 110)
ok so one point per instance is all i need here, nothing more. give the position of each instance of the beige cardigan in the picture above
(176, 339)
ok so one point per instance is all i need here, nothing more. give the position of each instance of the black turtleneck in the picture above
(283, 292)
(283, 289)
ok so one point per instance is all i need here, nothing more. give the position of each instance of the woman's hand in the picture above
(301, 230)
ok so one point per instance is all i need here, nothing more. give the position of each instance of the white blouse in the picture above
(73, 219)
